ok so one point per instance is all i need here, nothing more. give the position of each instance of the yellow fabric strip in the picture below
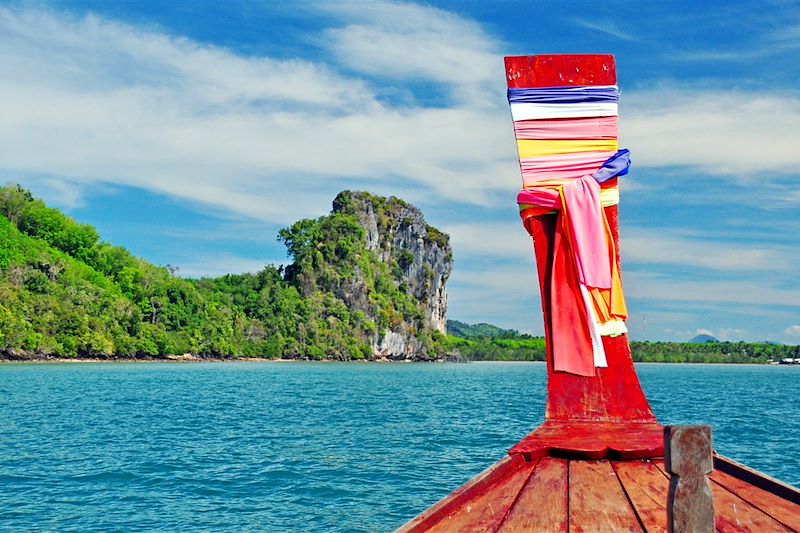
(540, 148)
(609, 197)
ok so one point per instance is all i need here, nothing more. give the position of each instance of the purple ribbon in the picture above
(563, 95)
(616, 165)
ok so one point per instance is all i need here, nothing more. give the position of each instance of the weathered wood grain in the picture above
(687, 457)
(734, 514)
(782, 510)
(597, 502)
(646, 487)
(542, 504)
(480, 484)
(593, 440)
(487, 510)
(559, 70)
(602, 416)
(757, 479)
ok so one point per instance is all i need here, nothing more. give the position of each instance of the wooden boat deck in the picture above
(559, 494)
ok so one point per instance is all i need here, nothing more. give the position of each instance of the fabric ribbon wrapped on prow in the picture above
(570, 164)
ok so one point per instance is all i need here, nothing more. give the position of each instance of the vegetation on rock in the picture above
(65, 293)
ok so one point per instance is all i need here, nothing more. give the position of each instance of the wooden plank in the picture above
(597, 501)
(646, 487)
(784, 511)
(542, 504)
(687, 457)
(475, 486)
(735, 515)
(756, 478)
(487, 510)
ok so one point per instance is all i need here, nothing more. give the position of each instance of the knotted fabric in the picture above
(584, 250)
(566, 138)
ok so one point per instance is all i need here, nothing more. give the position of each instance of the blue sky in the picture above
(191, 131)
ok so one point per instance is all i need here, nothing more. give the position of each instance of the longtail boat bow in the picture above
(596, 463)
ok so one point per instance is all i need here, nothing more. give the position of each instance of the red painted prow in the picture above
(549, 481)
(606, 415)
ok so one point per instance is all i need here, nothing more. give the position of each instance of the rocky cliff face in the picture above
(419, 258)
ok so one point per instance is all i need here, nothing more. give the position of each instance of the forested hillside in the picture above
(65, 293)
(481, 330)
(486, 342)
(711, 352)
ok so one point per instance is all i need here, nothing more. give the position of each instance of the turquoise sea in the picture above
(314, 447)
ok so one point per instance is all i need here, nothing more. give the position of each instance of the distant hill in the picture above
(481, 331)
(486, 342)
(702, 338)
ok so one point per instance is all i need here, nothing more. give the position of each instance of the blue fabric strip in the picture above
(563, 95)
(616, 165)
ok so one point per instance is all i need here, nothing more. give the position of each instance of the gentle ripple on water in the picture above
(314, 447)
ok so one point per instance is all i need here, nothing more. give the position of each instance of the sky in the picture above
(190, 132)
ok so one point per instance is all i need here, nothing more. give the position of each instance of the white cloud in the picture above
(729, 133)
(504, 294)
(660, 247)
(714, 55)
(786, 37)
(743, 34)
(606, 27)
(92, 100)
(404, 40)
(88, 101)
(655, 287)
(722, 334)
(793, 331)
(492, 241)
(731, 334)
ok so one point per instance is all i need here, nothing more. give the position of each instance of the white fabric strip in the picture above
(598, 351)
(612, 328)
(543, 111)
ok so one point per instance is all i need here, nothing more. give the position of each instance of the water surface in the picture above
(314, 447)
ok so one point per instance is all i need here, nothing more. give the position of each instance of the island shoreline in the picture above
(196, 359)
